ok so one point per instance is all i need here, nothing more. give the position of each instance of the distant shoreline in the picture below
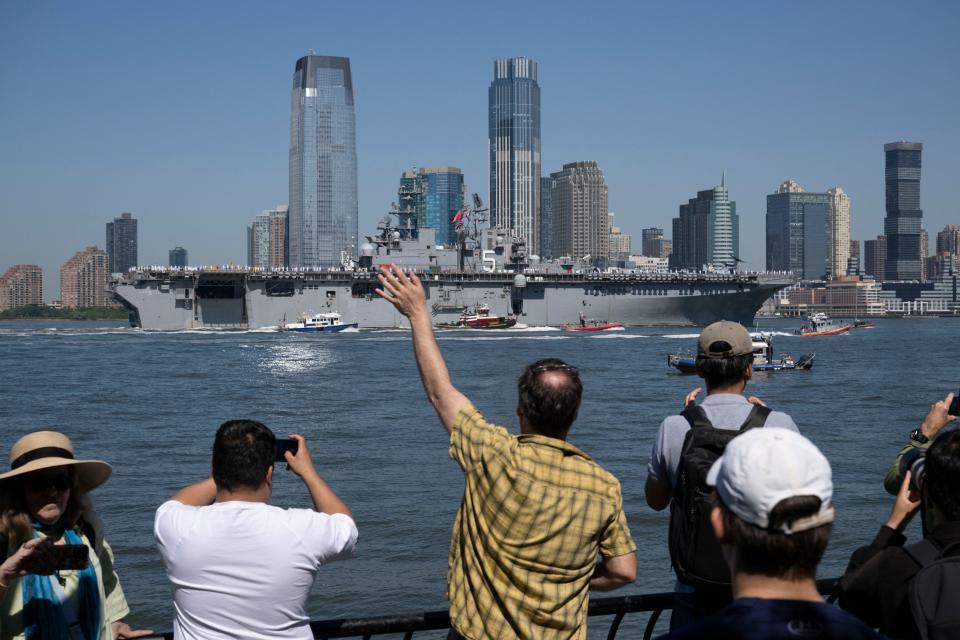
(49, 313)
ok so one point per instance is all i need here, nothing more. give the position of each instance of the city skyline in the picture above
(626, 102)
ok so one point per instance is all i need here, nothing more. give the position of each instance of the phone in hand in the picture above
(954, 409)
(47, 559)
(284, 445)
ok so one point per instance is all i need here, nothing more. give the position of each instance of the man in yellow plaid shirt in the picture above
(536, 511)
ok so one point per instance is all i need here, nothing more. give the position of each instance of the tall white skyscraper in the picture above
(839, 231)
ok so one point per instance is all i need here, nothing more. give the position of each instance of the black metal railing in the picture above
(618, 607)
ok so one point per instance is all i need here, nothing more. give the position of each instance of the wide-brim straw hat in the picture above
(46, 449)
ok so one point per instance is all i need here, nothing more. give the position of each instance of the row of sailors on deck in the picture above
(539, 527)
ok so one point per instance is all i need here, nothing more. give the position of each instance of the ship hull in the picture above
(241, 300)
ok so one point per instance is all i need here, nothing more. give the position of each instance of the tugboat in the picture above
(592, 325)
(318, 323)
(763, 358)
(480, 318)
(819, 324)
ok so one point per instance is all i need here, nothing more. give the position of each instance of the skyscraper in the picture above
(839, 231)
(546, 218)
(434, 195)
(83, 279)
(621, 244)
(323, 163)
(904, 216)
(853, 264)
(514, 131)
(122, 243)
(578, 203)
(178, 257)
(20, 286)
(267, 245)
(654, 244)
(875, 257)
(948, 240)
(798, 232)
(707, 231)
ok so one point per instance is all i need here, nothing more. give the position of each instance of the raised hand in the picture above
(404, 291)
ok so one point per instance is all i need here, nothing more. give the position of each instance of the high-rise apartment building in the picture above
(620, 244)
(578, 200)
(267, 239)
(707, 231)
(434, 195)
(178, 257)
(20, 286)
(875, 257)
(654, 244)
(853, 263)
(798, 232)
(324, 219)
(924, 252)
(122, 243)
(514, 132)
(83, 279)
(948, 240)
(546, 218)
(839, 232)
(904, 216)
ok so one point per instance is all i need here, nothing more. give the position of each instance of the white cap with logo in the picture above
(764, 466)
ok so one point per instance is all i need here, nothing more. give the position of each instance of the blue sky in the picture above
(179, 111)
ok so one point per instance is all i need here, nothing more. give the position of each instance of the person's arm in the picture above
(324, 499)
(198, 494)
(658, 494)
(613, 573)
(936, 419)
(405, 292)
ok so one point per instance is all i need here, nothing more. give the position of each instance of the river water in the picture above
(150, 403)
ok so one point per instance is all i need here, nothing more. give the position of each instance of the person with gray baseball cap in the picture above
(685, 447)
(773, 515)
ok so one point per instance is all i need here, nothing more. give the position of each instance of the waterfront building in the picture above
(546, 218)
(267, 239)
(433, 196)
(122, 243)
(839, 232)
(83, 279)
(707, 231)
(650, 264)
(619, 243)
(579, 204)
(798, 231)
(324, 219)
(20, 286)
(875, 257)
(841, 297)
(902, 226)
(178, 257)
(514, 135)
(654, 244)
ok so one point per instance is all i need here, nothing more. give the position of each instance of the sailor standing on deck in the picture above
(536, 511)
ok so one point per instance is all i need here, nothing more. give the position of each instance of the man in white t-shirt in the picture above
(241, 568)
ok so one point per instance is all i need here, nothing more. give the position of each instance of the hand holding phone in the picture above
(284, 445)
(47, 559)
(954, 409)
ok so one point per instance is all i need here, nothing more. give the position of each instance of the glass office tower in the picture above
(514, 100)
(434, 195)
(904, 216)
(323, 163)
(122, 243)
(799, 232)
(707, 231)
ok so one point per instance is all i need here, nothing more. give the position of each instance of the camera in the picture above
(914, 461)
(954, 409)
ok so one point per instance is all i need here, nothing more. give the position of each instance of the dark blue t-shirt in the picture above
(763, 619)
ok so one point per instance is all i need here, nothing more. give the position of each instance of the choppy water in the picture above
(149, 403)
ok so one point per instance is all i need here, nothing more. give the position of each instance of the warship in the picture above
(486, 266)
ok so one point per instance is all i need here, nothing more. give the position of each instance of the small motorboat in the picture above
(763, 358)
(318, 323)
(819, 324)
(479, 318)
(593, 326)
(862, 324)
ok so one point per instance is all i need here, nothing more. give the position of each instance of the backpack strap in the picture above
(923, 553)
(757, 417)
(697, 417)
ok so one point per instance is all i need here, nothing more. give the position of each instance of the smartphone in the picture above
(955, 405)
(288, 444)
(48, 559)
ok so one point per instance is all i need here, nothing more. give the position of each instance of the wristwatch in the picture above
(917, 436)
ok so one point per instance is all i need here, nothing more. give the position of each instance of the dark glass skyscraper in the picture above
(323, 163)
(707, 231)
(798, 232)
(434, 196)
(514, 100)
(122, 243)
(902, 224)
(178, 257)
(546, 219)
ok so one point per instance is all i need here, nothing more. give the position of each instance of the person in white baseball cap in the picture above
(773, 518)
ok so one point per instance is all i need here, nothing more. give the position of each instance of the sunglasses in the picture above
(42, 483)
(554, 366)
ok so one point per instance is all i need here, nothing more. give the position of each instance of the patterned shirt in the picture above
(536, 511)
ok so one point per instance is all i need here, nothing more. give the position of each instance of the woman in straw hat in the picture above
(43, 503)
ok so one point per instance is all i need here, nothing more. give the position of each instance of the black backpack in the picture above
(935, 591)
(694, 550)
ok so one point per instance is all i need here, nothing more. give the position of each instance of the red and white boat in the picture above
(592, 325)
(480, 318)
(819, 324)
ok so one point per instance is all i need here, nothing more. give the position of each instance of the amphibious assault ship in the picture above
(486, 266)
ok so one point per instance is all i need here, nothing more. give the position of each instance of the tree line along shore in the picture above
(43, 312)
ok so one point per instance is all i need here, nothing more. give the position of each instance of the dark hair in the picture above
(15, 517)
(773, 553)
(942, 478)
(549, 402)
(723, 372)
(243, 450)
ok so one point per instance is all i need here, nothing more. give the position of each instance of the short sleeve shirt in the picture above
(536, 512)
(724, 410)
(245, 569)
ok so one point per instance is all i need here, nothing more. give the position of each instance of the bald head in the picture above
(550, 392)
